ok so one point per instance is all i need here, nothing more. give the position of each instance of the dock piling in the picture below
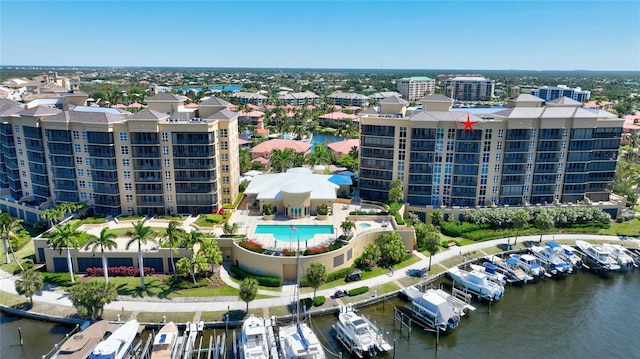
(20, 335)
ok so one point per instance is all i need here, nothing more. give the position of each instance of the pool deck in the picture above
(248, 221)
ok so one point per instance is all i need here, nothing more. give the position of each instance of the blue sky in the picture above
(532, 35)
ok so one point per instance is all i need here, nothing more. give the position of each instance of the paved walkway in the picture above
(219, 304)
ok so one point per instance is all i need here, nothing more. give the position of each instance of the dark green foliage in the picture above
(358, 291)
(339, 274)
(320, 300)
(457, 228)
(262, 280)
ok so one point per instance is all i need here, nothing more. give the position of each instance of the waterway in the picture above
(580, 316)
(322, 138)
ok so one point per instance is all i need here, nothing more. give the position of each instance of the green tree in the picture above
(244, 160)
(173, 238)
(192, 241)
(141, 235)
(370, 256)
(248, 291)
(395, 191)
(106, 240)
(65, 236)
(30, 283)
(436, 217)
(89, 298)
(316, 276)
(544, 222)
(347, 227)
(319, 156)
(229, 228)
(10, 227)
(52, 215)
(392, 249)
(211, 253)
(519, 220)
(432, 244)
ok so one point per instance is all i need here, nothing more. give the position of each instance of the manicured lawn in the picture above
(23, 254)
(630, 229)
(276, 291)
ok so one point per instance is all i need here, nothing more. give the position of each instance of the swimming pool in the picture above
(287, 233)
(364, 225)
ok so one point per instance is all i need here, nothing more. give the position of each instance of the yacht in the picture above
(510, 267)
(598, 255)
(298, 341)
(254, 340)
(164, 343)
(358, 334)
(492, 271)
(118, 344)
(551, 260)
(566, 253)
(79, 345)
(476, 283)
(435, 307)
(529, 264)
(622, 256)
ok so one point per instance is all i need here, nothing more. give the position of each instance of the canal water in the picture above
(580, 316)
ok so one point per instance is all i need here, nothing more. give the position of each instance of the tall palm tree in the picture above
(106, 240)
(30, 283)
(52, 215)
(141, 235)
(190, 241)
(65, 236)
(174, 236)
(9, 228)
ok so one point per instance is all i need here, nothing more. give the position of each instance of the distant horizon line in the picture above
(293, 68)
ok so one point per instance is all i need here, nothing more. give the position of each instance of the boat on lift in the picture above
(510, 267)
(598, 256)
(492, 271)
(476, 283)
(566, 253)
(529, 264)
(254, 340)
(551, 260)
(164, 343)
(118, 344)
(79, 345)
(436, 308)
(358, 334)
(622, 256)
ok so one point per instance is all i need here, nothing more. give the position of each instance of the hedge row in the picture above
(120, 271)
(339, 274)
(262, 280)
(357, 291)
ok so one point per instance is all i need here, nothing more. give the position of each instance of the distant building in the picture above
(379, 96)
(243, 98)
(469, 88)
(552, 93)
(414, 88)
(349, 99)
(298, 98)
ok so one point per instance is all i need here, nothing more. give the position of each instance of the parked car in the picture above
(354, 275)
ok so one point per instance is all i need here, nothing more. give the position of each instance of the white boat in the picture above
(529, 264)
(79, 345)
(164, 343)
(254, 340)
(566, 254)
(598, 255)
(358, 334)
(622, 256)
(477, 283)
(118, 344)
(492, 271)
(551, 260)
(510, 267)
(435, 307)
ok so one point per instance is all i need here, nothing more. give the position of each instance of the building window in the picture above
(87, 161)
(80, 172)
(494, 190)
(224, 145)
(525, 189)
(558, 177)
(487, 134)
(223, 132)
(169, 199)
(20, 151)
(92, 196)
(224, 157)
(496, 179)
(485, 168)
(530, 156)
(498, 157)
(226, 201)
(529, 166)
(225, 180)
(225, 168)
(82, 184)
(79, 160)
(168, 187)
(21, 163)
(527, 178)
(89, 174)
(83, 196)
(557, 188)
(564, 144)
(124, 150)
(165, 150)
(128, 198)
(226, 191)
(126, 174)
(500, 133)
(532, 144)
(167, 174)
(24, 174)
(76, 135)
(16, 128)
(130, 210)
(125, 162)
(533, 133)
(565, 132)
(123, 137)
(496, 168)
(562, 155)
(86, 148)
(25, 184)
(90, 185)
(128, 187)
(76, 147)
(560, 166)
(85, 136)
(165, 137)
(499, 147)
(167, 162)
(18, 140)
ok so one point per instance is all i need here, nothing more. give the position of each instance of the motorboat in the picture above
(118, 344)
(254, 340)
(566, 253)
(598, 255)
(435, 307)
(622, 256)
(529, 264)
(298, 341)
(164, 343)
(551, 260)
(477, 283)
(358, 334)
(492, 271)
(79, 345)
(510, 267)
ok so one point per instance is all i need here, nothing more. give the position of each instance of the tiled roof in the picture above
(393, 100)
(223, 115)
(525, 97)
(165, 97)
(8, 107)
(38, 111)
(343, 147)
(339, 115)
(270, 186)
(281, 144)
(564, 101)
(147, 114)
(86, 117)
(214, 101)
(436, 98)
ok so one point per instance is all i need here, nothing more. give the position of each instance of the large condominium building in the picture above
(552, 93)
(298, 98)
(414, 88)
(349, 99)
(469, 88)
(164, 159)
(525, 154)
(243, 98)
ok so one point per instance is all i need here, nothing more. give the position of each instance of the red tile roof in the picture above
(265, 148)
(343, 147)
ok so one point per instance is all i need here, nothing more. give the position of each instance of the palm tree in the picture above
(520, 219)
(190, 241)
(174, 236)
(65, 236)
(140, 235)
(9, 228)
(106, 240)
(244, 160)
(346, 227)
(52, 215)
(634, 142)
(248, 291)
(544, 222)
(320, 156)
(229, 228)
(436, 217)
(30, 283)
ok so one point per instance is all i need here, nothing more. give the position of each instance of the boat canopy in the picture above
(553, 245)
(511, 261)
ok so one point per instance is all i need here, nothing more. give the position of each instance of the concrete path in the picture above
(222, 304)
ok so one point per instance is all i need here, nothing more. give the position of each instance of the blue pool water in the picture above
(284, 233)
(364, 225)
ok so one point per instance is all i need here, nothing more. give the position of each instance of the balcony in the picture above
(106, 188)
(59, 161)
